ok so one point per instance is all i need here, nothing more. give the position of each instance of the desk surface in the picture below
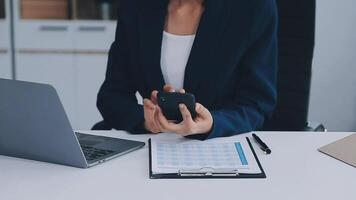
(295, 170)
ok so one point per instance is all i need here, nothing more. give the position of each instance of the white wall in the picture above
(333, 94)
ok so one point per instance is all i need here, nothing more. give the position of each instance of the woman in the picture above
(222, 51)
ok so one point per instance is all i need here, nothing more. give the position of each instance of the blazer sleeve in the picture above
(117, 100)
(256, 94)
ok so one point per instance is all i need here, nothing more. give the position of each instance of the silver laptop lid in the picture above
(33, 125)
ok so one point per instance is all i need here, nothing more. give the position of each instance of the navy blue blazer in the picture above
(231, 69)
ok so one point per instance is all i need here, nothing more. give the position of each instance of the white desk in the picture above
(295, 170)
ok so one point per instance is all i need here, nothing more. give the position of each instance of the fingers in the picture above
(201, 110)
(198, 108)
(149, 112)
(184, 128)
(148, 104)
(187, 123)
(156, 119)
(156, 122)
(182, 91)
(164, 123)
(168, 88)
(187, 117)
(187, 126)
(154, 97)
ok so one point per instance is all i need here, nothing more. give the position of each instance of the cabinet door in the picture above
(93, 36)
(5, 65)
(90, 75)
(44, 35)
(4, 34)
(54, 69)
(4, 25)
(5, 54)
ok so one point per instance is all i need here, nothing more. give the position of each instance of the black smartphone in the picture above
(169, 104)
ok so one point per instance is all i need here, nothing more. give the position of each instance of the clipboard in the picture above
(206, 173)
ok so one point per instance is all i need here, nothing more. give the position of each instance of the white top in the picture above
(174, 57)
(295, 170)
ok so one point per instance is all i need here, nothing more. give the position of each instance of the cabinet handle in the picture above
(92, 28)
(53, 28)
(3, 51)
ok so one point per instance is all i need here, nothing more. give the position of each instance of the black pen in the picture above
(263, 145)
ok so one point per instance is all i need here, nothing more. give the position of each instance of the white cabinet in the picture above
(54, 69)
(41, 35)
(92, 40)
(4, 34)
(5, 42)
(5, 65)
(5, 25)
(69, 54)
(76, 71)
(89, 77)
(76, 77)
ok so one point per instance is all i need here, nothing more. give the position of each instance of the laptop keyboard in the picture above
(92, 153)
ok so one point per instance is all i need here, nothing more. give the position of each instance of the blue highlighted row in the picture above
(241, 153)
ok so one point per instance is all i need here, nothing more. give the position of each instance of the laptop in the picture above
(33, 125)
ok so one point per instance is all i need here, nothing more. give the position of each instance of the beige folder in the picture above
(343, 150)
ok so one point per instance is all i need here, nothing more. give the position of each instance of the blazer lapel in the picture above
(202, 56)
(151, 26)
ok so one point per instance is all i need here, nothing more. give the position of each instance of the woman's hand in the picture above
(150, 110)
(156, 122)
(202, 124)
(150, 107)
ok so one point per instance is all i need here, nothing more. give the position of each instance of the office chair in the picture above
(296, 46)
(296, 35)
